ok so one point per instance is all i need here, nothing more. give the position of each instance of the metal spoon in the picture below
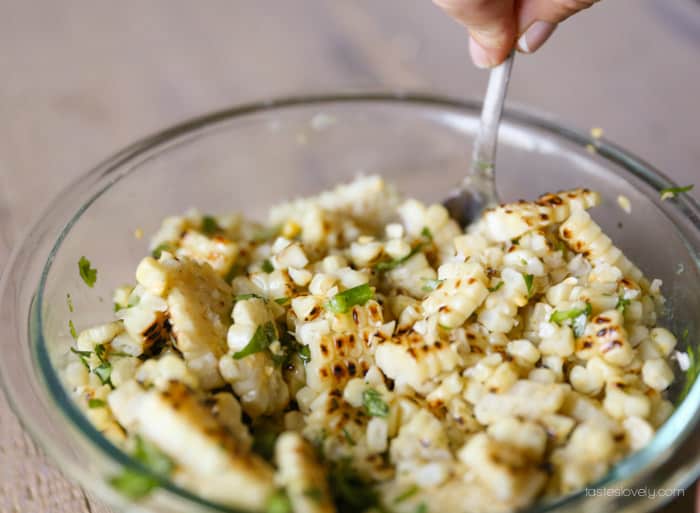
(477, 191)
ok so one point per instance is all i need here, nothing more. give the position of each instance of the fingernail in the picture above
(535, 36)
(479, 55)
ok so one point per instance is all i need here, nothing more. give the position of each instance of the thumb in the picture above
(537, 19)
(491, 24)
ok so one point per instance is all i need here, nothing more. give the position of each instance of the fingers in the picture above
(491, 24)
(537, 19)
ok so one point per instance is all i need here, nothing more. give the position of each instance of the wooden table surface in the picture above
(80, 79)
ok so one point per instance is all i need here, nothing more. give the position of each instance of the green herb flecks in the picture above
(135, 484)
(96, 403)
(499, 285)
(267, 266)
(396, 262)
(529, 281)
(305, 354)
(422, 508)
(410, 492)
(388, 265)
(279, 503)
(263, 337)
(83, 355)
(69, 302)
(673, 192)
(104, 372)
(210, 225)
(282, 300)
(622, 303)
(348, 437)
(71, 328)
(158, 250)
(577, 316)
(559, 316)
(87, 273)
(342, 302)
(374, 404)
(244, 297)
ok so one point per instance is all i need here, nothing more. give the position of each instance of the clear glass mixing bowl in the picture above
(248, 158)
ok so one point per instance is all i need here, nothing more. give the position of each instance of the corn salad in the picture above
(360, 352)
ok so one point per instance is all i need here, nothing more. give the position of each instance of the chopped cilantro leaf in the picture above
(71, 328)
(498, 286)
(132, 484)
(104, 372)
(158, 250)
(210, 226)
(279, 503)
(305, 354)
(136, 485)
(282, 300)
(672, 192)
(100, 352)
(529, 279)
(396, 262)
(425, 232)
(348, 437)
(622, 303)
(374, 404)
(96, 403)
(267, 266)
(87, 273)
(342, 302)
(152, 457)
(243, 297)
(83, 355)
(407, 494)
(578, 316)
(559, 316)
(263, 337)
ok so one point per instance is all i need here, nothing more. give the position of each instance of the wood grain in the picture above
(81, 79)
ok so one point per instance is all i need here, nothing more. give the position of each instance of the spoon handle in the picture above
(484, 153)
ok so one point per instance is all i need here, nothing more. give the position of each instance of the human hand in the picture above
(495, 26)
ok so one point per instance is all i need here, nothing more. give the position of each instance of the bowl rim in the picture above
(675, 430)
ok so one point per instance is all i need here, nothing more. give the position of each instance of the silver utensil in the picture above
(477, 191)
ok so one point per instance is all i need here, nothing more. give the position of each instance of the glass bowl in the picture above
(248, 158)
